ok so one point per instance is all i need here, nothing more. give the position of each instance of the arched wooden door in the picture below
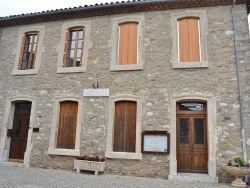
(20, 130)
(191, 137)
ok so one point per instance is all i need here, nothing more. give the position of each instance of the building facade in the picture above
(93, 80)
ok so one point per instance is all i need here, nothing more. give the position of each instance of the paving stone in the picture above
(41, 178)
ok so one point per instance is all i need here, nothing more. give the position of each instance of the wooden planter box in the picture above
(89, 165)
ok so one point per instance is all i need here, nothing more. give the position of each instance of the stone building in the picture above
(99, 80)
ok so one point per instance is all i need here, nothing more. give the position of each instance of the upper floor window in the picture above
(28, 51)
(189, 40)
(127, 43)
(189, 35)
(74, 47)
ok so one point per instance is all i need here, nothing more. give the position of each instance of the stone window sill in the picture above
(68, 152)
(187, 65)
(123, 155)
(126, 67)
(71, 69)
(24, 72)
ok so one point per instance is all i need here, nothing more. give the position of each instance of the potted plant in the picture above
(91, 163)
(238, 170)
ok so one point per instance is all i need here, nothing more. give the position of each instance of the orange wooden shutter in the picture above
(125, 127)
(128, 43)
(189, 44)
(130, 128)
(67, 125)
(21, 52)
(119, 124)
(194, 43)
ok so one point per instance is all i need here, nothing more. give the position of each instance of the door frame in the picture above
(211, 134)
(8, 124)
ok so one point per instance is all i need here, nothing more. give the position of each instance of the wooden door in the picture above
(125, 126)
(191, 143)
(19, 137)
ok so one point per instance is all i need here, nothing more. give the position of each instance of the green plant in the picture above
(91, 158)
(239, 161)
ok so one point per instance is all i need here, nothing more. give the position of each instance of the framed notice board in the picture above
(156, 142)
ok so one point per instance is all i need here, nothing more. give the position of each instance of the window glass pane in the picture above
(28, 39)
(24, 65)
(71, 53)
(184, 131)
(72, 35)
(22, 108)
(199, 131)
(17, 127)
(34, 47)
(79, 51)
(69, 63)
(191, 106)
(79, 45)
(35, 38)
(80, 35)
(71, 45)
(26, 47)
(26, 56)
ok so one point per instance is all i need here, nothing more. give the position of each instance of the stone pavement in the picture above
(36, 178)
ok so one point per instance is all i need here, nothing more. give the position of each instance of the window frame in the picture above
(109, 153)
(61, 48)
(66, 48)
(23, 49)
(53, 150)
(115, 42)
(202, 20)
(19, 50)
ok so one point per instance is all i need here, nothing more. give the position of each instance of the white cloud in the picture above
(15, 7)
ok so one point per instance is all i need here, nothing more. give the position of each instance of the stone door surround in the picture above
(211, 110)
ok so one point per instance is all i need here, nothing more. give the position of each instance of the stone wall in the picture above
(155, 84)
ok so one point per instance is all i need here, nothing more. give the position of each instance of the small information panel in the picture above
(157, 142)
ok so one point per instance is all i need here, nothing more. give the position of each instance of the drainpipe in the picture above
(239, 86)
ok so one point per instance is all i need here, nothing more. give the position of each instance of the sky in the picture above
(14, 7)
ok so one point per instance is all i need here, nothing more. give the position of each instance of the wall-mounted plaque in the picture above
(156, 142)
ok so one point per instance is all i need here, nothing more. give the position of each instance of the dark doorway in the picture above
(20, 130)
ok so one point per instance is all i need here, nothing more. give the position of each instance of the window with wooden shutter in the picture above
(67, 125)
(128, 43)
(73, 49)
(28, 51)
(189, 40)
(125, 126)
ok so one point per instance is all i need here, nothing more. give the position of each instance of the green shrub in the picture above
(239, 161)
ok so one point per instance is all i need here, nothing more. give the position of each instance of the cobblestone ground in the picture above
(36, 178)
